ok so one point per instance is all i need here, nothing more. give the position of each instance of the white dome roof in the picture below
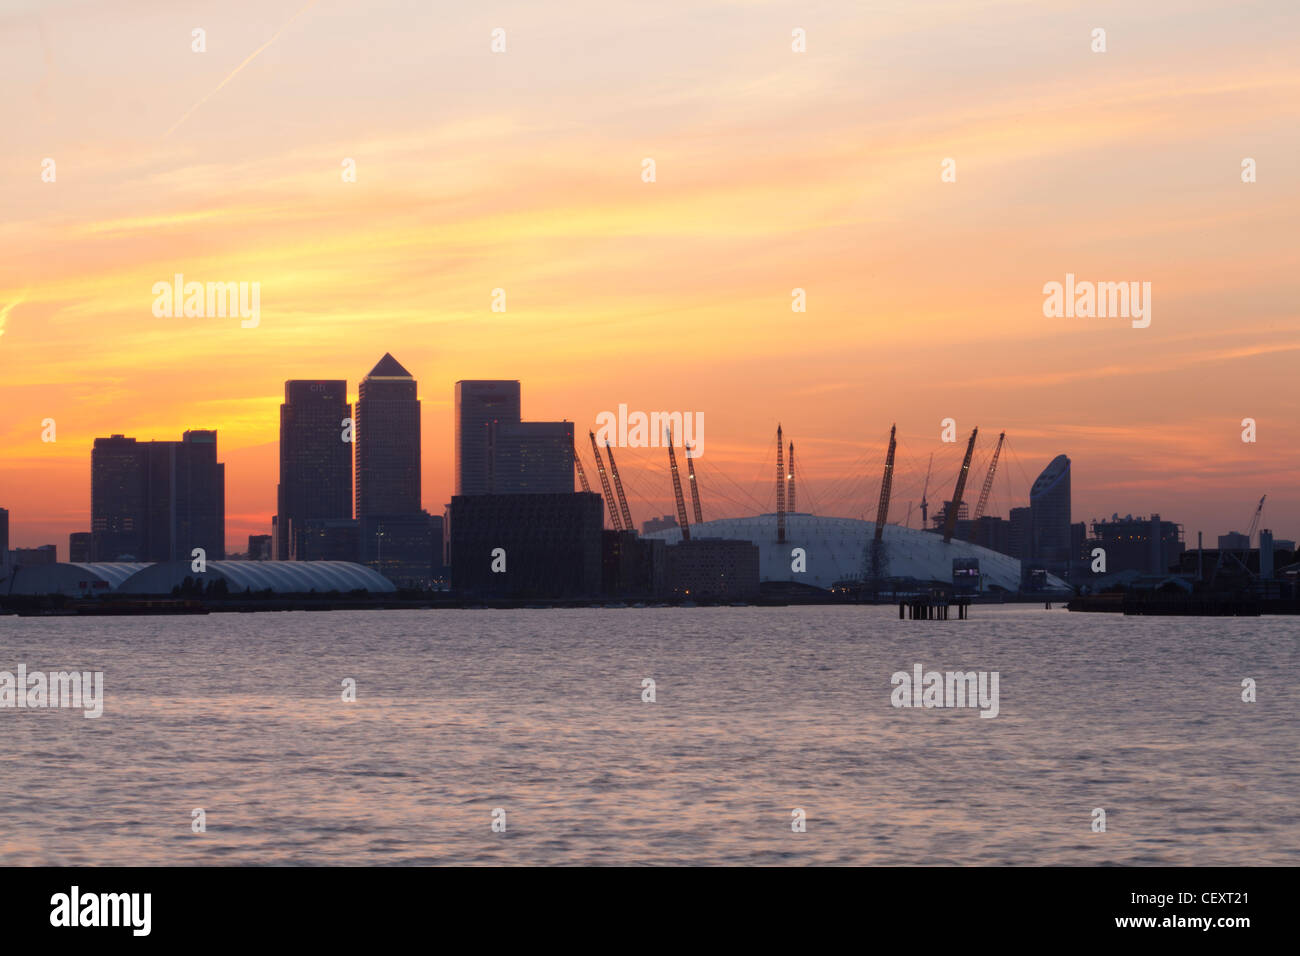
(837, 547)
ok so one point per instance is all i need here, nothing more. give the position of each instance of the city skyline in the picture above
(648, 478)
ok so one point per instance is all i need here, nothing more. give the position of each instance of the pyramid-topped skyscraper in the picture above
(387, 441)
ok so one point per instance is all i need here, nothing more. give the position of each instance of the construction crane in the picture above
(780, 490)
(988, 486)
(695, 488)
(618, 489)
(1242, 561)
(925, 505)
(1254, 522)
(677, 490)
(582, 475)
(950, 519)
(790, 503)
(604, 483)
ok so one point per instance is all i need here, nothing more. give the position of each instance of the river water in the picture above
(539, 714)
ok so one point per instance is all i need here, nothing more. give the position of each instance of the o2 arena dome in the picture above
(837, 548)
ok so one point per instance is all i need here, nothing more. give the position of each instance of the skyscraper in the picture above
(315, 461)
(478, 405)
(186, 498)
(395, 537)
(1049, 516)
(158, 500)
(4, 537)
(388, 441)
(118, 485)
(530, 458)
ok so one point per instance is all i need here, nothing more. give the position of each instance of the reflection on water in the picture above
(757, 711)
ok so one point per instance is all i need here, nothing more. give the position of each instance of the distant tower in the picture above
(1049, 516)
(387, 441)
(480, 404)
(315, 461)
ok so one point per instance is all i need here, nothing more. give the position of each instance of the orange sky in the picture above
(775, 170)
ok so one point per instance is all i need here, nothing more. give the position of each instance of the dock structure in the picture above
(933, 608)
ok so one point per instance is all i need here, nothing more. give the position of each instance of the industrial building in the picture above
(526, 546)
(87, 579)
(713, 569)
(108, 578)
(1148, 545)
(98, 579)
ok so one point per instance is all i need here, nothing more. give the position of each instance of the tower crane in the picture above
(925, 505)
(677, 490)
(950, 519)
(988, 486)
(1254, 522)
(604, 483)
(695, 488)
(618, 488)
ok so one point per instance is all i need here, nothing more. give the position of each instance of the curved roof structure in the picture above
(836, 550)
(279, 577)
(71, 579)
(1051, 476)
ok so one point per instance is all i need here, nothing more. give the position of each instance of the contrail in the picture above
(5, 310)
(247, 60)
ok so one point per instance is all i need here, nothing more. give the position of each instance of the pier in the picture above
(933, 609)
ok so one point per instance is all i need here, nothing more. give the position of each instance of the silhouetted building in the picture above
(388, 442)
(79, 547)
(1234, 541)
(157, 500)
(479, 404)
(989, 531)
(530, 458)
(665, 523)
(28, 557)
(713, 569)
(632, 566)
(186, 498)
(941, 516)
(1049, 502)
(315, 461)
(4, 537)
(118, 484)
(404, 548)
(542, 546)
(328, 539)
(1020, 534)
(259, 547)
(1148, 545)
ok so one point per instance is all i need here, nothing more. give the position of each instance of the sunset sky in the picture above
(774, 170)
